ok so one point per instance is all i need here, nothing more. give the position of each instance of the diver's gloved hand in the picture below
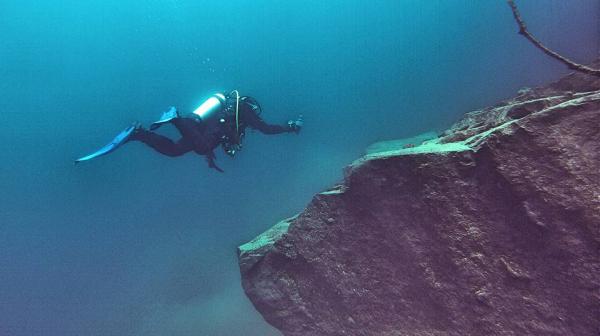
(210, 158)
(296, 125)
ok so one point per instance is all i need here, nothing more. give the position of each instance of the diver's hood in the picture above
(211, 107)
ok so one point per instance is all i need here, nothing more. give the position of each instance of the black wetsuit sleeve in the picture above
(253, 120)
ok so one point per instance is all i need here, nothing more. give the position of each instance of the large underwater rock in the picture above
(491, 229)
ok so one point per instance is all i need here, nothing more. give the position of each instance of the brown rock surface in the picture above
(492, 229)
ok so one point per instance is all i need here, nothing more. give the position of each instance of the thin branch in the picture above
(523, 31)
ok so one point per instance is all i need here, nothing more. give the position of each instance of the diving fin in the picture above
(120, 139)
(167, 116)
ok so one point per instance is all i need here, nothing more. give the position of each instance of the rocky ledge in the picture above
(493, 228)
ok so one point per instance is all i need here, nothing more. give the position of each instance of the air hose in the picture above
(237, 112)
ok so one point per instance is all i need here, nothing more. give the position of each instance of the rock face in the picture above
(491, 229)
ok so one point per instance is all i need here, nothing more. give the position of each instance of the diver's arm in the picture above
(210, 159)
(256, 122)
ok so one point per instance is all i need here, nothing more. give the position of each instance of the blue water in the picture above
(139, 244)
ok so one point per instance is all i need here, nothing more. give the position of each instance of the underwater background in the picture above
(135, 243)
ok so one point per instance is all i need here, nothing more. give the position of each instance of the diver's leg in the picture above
(197, 134)
(188, 127)
(161, 143)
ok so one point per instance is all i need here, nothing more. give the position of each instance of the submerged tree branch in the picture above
(523, 31)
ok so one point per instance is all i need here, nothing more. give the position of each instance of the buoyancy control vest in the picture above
(223, 111)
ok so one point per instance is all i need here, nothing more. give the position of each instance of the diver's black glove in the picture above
(295, 125)
(210, 158)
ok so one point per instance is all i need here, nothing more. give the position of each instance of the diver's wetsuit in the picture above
(203, 137)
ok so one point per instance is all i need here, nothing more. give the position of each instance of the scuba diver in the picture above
(220, 121)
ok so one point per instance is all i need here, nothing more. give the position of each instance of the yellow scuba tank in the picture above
(218, 103)
(211, 107)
